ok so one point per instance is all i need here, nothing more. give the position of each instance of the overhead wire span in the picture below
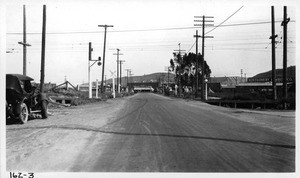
(219, 24)
(144, 30)
(225, 20)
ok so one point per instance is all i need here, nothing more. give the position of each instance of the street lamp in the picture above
(113, 83)
(206, 88)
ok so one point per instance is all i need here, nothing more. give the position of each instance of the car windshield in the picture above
(27, 86)
(22, 84)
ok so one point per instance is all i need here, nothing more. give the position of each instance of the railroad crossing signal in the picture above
(99, 61)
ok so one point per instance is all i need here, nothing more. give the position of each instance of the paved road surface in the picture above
(155, 133)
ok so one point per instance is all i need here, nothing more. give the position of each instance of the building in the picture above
(85, 86)
(143, 86)
(47, 86)
(264, 88)
(227, 81)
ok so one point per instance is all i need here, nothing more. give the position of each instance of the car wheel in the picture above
(24, 113)
(44, 109)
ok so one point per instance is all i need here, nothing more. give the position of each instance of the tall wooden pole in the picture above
(284, 53)
(203, 46)
(102, 90)
(284, 23)
(43, 50)
(24, 41)
(197, 65)
(202, 64)
(120, 87)
(89, 70)
(118, 63)
(103, 66)
(273, 55)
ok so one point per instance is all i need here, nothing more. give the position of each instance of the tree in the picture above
(185, 69)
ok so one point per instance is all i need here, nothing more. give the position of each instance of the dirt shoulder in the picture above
(280, 121)
(53, 144)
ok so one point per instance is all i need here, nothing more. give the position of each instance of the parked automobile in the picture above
(22, 98)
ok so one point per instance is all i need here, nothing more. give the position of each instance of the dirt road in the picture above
(148, 132)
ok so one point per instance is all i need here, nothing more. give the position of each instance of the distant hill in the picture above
(155, 77)
(291, 73)
(163, 77)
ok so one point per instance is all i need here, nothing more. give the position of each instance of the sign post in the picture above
(96, 88)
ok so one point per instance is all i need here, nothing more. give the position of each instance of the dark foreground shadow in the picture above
(11, 121)
(79, 127)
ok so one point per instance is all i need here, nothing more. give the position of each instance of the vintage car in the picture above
(22, 99)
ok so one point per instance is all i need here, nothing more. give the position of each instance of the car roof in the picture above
(21, 77)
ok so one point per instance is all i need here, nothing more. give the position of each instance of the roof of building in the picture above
(258, 84)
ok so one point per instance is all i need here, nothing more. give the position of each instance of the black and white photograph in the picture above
(137, 88)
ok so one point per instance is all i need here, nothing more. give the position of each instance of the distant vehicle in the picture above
(22, 98)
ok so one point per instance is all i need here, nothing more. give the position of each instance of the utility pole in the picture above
(179, 50)
(284, 24)
(121, 61)
(24, 43)
(118, 53)
(203, 36)
(43, 50)
(272, 37)
(197, 64)
(105, 29)
(89, 69)
(179, 80)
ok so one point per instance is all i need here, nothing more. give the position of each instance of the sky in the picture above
(147, 33)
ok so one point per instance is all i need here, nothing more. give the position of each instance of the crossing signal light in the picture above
(99, 61)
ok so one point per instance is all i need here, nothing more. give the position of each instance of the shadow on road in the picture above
(203, 138)
(79, 127)
(12, 121)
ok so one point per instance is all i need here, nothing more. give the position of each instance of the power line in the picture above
(113, 31)
(225, 20)
(213, 48)
(143, 30)
(155, 45)
(148, 43)
(246, 49)
(218, 25)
